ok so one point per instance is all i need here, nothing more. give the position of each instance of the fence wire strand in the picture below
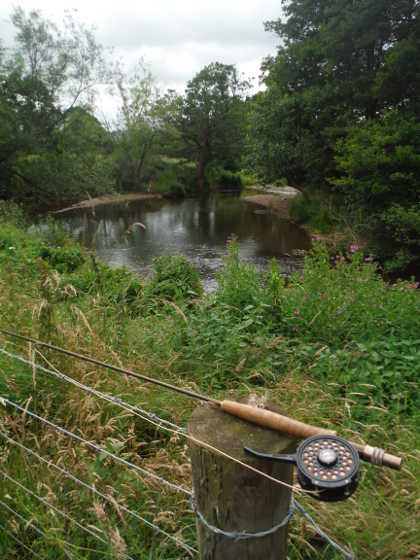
(63, 514)
(27, 522)
(30, 524)
(97, 448)
(155, 420)
(108, 498)
(20, 543)
(63, 377)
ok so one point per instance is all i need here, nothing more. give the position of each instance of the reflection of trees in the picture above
(184, 226)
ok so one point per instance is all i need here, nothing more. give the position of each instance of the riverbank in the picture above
(272, 202)
(109, 199)
(335, 346)
(281, 205)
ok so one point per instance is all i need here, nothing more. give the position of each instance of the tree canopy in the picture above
(340, 109)
(210, 118)
(47, 87)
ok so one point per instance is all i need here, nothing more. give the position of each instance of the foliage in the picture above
(140, 129)
(174, 279)
(224, 178)
(63, 260)
(380, 167)
(348, 358)
(52, 149)
(338, 64)
(209, 118)
(313, 209)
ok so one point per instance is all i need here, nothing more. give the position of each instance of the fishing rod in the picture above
(256, 415)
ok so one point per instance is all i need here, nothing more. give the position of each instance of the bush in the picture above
(11, 213)
(175, 279)
(63, 259)
(380, 166)
(314, 209)
(224, 178)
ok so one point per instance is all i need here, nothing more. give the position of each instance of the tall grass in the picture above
(334, 345)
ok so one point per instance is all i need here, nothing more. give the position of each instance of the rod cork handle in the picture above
(280, 423)
(272, 420)
(378, 456)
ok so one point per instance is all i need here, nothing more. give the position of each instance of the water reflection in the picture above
(197, 228)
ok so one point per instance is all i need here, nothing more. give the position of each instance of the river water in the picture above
(197, 228)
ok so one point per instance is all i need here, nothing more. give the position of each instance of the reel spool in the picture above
(327, 465)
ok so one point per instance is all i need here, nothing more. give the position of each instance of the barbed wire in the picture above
(156, 421)
(22, 544)
(97, 448)
(63, 514)
(105, 497)
(171, 427)
(27, 522)
(63, 377)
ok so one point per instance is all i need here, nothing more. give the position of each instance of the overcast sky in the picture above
(176, 37)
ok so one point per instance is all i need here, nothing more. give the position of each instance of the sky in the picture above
(175, 37)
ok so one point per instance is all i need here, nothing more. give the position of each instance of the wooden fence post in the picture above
(233, 498)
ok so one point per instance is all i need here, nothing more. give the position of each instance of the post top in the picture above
(230, 434)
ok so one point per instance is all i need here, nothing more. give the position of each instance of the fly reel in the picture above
(328, 466)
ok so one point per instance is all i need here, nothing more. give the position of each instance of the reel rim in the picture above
(315, 476)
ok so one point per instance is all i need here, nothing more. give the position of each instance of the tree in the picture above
(48, 76)
(69, 62)
(209, 118)
(139, 127)
(379, 163)
(339, 63)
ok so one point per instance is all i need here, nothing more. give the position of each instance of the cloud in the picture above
(172, 23)
(175, 37)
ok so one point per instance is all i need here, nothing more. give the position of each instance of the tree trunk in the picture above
(203, 162)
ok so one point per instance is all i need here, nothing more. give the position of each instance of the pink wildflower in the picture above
(339, 311)
(316, 238)
(354, 248)
(416, 285)
(228, 241)
(368, 259)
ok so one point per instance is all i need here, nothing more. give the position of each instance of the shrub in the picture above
(175, 279)
(380, 165)
(224, 178)
(239, 284)
(63, 259)
(314, 209)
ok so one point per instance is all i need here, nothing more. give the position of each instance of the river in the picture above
(195, 227)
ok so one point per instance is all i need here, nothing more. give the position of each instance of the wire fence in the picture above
(11, 435)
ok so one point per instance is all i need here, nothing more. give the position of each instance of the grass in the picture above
(334, 345)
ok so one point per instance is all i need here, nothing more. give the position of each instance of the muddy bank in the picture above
(281, 205)
(108, 199)
(273, 202)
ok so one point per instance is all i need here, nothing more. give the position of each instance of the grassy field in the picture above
(335, 346)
